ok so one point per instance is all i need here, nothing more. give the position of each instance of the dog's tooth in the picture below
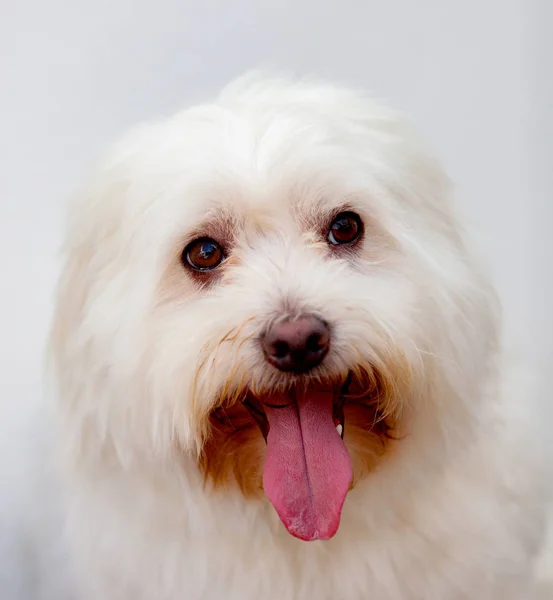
(340, 430)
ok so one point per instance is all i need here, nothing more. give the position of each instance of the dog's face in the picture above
(273, 285)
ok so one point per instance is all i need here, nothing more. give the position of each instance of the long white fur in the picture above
(458, 512)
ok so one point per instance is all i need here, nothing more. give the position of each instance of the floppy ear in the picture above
(69, 357)
(92, 322)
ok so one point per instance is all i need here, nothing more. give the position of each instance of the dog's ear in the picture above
(72, 357)
(87, 257)
(66, 357)
(89, 328)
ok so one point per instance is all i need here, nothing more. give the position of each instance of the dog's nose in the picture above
(297, 345)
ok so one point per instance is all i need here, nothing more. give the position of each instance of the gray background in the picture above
(474, 75)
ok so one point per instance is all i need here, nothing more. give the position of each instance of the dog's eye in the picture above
(345, 229)
(204, 254)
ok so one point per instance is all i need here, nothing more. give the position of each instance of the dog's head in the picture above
(275, 286)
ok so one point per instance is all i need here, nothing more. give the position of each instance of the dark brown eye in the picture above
(204, 254)
(345, 229)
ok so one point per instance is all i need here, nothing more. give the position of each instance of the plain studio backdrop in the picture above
(475, 75)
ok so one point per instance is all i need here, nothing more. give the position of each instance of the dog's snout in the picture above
(297, 345)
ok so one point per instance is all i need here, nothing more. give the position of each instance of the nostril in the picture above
(281, 349)
(314, 343)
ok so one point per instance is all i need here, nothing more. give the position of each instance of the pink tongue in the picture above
(308, 469)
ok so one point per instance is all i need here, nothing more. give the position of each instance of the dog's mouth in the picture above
(308, 470)
(308, 427)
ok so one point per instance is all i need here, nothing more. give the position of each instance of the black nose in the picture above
(297, 345)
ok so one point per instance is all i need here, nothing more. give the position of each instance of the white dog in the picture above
(280, 371)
